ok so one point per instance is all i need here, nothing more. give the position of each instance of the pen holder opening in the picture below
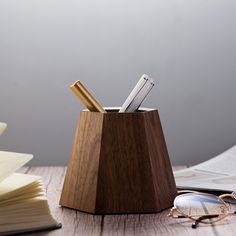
(119, 164)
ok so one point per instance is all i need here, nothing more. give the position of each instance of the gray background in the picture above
(187, 46)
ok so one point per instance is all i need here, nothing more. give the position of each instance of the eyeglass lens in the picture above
(197, 205)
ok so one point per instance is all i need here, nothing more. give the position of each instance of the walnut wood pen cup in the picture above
(119, 164)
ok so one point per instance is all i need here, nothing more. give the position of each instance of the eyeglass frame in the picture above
(175, 209)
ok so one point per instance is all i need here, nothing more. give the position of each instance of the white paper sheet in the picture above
(11, 161)
(218, 173)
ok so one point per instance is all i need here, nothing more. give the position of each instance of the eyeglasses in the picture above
(201, 207)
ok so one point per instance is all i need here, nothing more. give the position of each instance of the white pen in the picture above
(138, 94)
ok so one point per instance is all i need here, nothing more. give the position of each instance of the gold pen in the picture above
(88, 100)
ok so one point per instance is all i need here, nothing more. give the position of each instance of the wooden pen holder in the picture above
(119, 164)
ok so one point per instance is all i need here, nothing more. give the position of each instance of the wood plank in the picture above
(73, 222)
(23, 170)
(78, 223)
(152, 224)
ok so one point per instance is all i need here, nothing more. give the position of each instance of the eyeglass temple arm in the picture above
(226, 195)
(198, 220)
(195, 224)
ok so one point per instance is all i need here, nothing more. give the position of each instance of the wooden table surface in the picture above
(79, 223)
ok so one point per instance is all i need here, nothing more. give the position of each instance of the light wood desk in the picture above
(78, 223)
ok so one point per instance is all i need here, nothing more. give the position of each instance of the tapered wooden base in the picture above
(119, 164)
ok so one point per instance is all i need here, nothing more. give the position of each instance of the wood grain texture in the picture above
(163, 178)
(80, 186)
(73, 222)
(119, 164)
(77, 223)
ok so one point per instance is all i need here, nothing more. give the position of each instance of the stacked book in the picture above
(23, 204)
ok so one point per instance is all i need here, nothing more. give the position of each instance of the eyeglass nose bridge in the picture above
(234, 194)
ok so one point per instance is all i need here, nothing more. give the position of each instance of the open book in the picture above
(23, 205)
(216, 174)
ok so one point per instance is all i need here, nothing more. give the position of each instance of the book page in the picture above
(2, 127)
(26, 216)
(218, 173)
(11, 161)
(15, 182)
